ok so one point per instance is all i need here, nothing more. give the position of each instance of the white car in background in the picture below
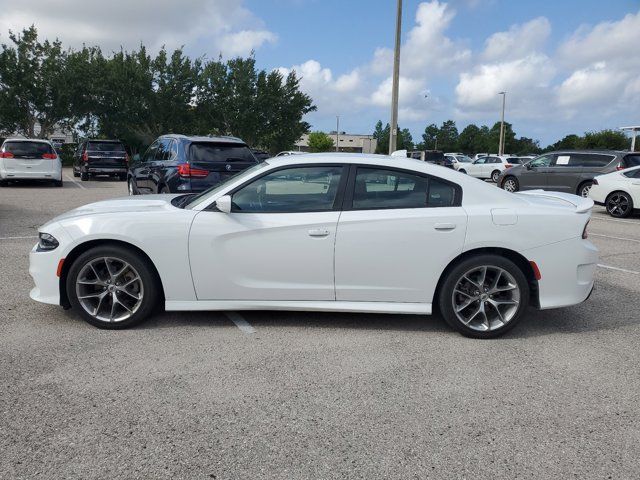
(29, 159)
(330, 232)
(458, 160)
(489, 167)
(619, 191)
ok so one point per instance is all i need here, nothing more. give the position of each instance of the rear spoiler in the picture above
(581, 204)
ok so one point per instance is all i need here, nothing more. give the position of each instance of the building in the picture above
(347, 142)
(59, 137)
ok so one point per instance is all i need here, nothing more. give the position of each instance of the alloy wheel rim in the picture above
(510, 185)
(618, 204)
(109, 289)
(495, 176)
(585, 191)
(130, 184)
(485, 298)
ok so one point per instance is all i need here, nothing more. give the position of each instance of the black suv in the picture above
(181, 164)
(100, 157)
(570, 171)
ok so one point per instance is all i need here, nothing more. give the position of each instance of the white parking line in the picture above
(74, 182)
(614, 220)
(609, 267)
(240, 322)
(615, 238)
(18, 238)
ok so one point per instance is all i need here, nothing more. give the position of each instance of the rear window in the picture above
(27, 149)
(631, 161)
(105, 147)
(220, 152)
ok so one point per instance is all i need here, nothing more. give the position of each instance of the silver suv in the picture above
(569, 171)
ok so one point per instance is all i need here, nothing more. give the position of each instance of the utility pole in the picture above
(337, 132)
(501, 146)
(393, 134)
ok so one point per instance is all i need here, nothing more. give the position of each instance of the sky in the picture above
(568, 66)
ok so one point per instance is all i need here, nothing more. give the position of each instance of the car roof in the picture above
(20, 139)
(102, 140)
(203, 138)
(601, 151)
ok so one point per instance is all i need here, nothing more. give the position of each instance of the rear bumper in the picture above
(106, 169)
(54, 173)
(567, 269)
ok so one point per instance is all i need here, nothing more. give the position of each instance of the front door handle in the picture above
(444, 226)
(318, 232)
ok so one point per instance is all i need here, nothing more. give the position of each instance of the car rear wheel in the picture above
(130, 188)
(494, 176)
(484, 296)
(462, 170)
(619, 204)
(583, 189)
(76, 173)
(112, 287)
(84, 176)
(164, 189)
(510, 184)
(57, 183)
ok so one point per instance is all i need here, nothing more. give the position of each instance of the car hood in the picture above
(146, 203)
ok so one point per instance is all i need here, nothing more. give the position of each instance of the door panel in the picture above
(564, 174)
(263, 256)
(396, 255)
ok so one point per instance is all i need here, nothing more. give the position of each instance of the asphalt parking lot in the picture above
(312, 395)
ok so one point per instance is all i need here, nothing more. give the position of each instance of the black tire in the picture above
(164, 189)
(583, 189)
(122, 177)
(510, 184)
(84, 176)
(494, 176)
(454, 276)
(57, 183)
(131, 188)
(462, 170)
(150, 281)
(75, 173)
(619, 204)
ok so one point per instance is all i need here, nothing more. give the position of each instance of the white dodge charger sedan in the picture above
(324, 232)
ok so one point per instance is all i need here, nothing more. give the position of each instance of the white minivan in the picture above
(29, 159)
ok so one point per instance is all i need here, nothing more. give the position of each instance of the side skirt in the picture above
(310, 306)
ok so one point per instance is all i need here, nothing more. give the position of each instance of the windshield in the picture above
(27, 149)
(220, 152)
(105, 147)
(213, 191)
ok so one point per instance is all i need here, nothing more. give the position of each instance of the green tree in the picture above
(320, 142)
(430, 137)
(404, 141)
(448, 136)
(469, 139)
(605, 139)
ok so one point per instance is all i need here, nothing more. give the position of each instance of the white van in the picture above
(29, 159)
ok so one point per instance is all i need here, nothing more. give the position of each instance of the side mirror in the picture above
(224, 203)
(529, 166)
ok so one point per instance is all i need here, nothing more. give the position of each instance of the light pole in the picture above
(337, 132)
(393, 134)
(501, 146)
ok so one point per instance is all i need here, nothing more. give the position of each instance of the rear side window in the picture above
(220, 152)
(632, 160)
(383, 189)
(27, 149)
(632, 174)
(583, 160)
(105, 147)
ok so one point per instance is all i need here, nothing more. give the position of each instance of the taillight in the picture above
(6, 155)
(85, 157)
(507, 165)
(585, 234)
(49, 156)
(185, 170)
(620, 167)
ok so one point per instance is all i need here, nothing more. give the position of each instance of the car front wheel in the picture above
(619, 204)
(130, 188)
(484, 296)
(112, 287)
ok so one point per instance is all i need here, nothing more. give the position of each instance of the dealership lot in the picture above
(311, 395)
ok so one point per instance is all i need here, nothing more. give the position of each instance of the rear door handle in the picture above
(444, 226)
(318, 232)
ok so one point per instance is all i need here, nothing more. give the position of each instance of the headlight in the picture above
(47, 242)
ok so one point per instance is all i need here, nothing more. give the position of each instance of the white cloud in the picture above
(518, 42)
(218, 25)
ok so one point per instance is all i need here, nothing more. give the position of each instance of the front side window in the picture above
(543, 161)
(296, 189)
(151, 152)
(381, 189)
